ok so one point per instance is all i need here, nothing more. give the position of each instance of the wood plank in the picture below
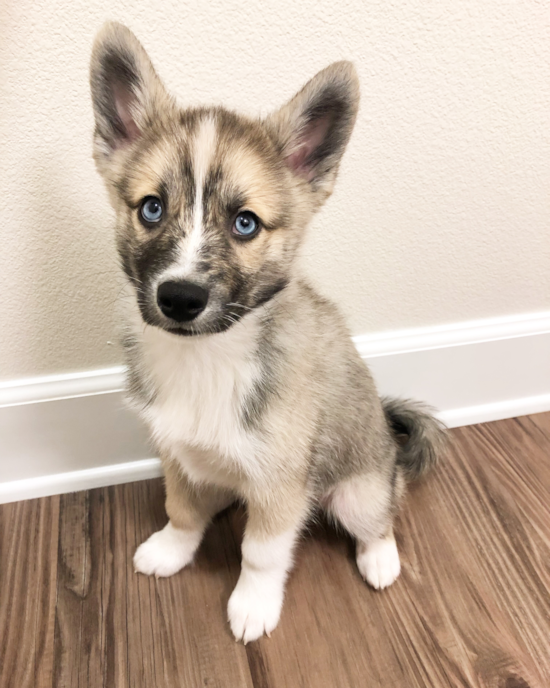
(118, 628)
(73, 584)
(478, 564)
(541, 420)
(28, 571)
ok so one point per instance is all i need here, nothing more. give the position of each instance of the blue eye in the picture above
(246, 224)
(151, 210)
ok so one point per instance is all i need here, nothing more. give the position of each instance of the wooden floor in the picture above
(471, 608)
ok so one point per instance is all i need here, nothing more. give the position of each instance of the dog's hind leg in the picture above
(378, 560)
(190, 508)
(364, 505)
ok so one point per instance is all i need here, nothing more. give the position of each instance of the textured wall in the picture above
(441, 211)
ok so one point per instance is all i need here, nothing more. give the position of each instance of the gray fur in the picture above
(424, 436)
(271, 361)
(139, 390)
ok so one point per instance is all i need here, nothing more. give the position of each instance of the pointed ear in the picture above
(127, 94)
(313, 129)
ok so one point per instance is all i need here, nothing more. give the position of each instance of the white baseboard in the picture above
(72, 432)
(499, 410)
(84, 479)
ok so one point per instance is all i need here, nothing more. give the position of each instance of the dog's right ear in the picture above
(127, 94)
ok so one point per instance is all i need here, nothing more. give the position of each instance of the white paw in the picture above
(254, 607)
(378, 562)
(167, 551)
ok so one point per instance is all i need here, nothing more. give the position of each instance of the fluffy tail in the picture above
(424, 437)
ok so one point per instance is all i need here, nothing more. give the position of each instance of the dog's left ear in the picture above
(313, 129)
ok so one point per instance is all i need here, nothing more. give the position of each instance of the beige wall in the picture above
(441, 211)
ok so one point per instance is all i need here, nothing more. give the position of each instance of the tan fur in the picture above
(189, 506)
(147, 176)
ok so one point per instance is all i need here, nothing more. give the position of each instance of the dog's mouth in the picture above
(197, 330)
(201, 327)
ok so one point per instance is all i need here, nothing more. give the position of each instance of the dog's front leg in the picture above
(267, 552)
(190, 508)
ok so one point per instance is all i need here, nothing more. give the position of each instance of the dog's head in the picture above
(211, 206)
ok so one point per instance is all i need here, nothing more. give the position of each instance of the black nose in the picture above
(181, 301)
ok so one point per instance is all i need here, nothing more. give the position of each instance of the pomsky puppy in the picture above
(247, 378)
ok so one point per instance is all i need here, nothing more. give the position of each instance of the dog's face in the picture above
(211, 206)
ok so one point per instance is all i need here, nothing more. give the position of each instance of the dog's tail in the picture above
(422, 438)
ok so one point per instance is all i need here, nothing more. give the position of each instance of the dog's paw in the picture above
(378, 562)
(166, 552)
(254, 609)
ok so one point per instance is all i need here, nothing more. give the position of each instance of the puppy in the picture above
(247, 378)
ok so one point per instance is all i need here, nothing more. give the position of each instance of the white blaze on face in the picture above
(203, 149)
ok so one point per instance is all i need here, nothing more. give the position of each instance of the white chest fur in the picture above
(201, 385)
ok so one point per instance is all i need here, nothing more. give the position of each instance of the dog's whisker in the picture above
(240, 305)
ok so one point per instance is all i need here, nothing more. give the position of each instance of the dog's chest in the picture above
(201, 388)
